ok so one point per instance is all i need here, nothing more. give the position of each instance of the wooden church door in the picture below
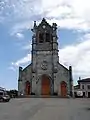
(45, 85)
(27, 89)
(63, 88)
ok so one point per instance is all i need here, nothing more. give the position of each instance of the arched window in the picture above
(44, 37)
(41, 37)
(47, 37)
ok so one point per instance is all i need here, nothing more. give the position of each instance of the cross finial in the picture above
(43, 19)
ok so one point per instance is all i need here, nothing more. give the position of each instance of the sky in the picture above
(16, 21)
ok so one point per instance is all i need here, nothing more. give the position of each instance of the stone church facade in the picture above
(45, 75)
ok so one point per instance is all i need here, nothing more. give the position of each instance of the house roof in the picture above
(84, 80)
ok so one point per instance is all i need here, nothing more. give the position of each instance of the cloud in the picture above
(1, 19)
(19, 35)
(12, 68)
(78, 56)
(22, 61)
(27, 47)
(21, 26)
(69, 14)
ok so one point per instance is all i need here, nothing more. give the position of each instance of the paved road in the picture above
(45, 109)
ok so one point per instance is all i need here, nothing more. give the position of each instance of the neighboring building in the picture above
(76, 87)
(2, 89)
(84, 86)
(45, 75)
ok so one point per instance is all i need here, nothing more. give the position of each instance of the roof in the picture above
(63, 66)
(84, 80)
(44, 22)
(27, 67)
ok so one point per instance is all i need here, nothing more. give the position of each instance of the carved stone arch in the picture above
(41, 37)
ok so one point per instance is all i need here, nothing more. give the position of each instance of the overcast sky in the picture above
(16, 20)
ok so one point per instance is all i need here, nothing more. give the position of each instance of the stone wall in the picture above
(62, 75)
(26, 75)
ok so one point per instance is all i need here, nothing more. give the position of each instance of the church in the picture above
(45, 75)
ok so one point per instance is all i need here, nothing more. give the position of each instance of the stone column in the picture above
(71, 82)
(55, 57)
(20, 81)
(33, 81)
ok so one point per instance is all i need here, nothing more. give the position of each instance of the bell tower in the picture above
(44, 54)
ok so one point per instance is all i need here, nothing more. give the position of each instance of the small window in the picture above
(41, 37)
(88, 86)
(82, 86)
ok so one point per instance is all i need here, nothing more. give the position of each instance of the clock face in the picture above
(44, 65)
(44, 26)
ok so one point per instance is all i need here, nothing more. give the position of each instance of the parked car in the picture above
(79, 94)
(4, 97)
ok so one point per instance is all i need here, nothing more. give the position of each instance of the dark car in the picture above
(4, 97)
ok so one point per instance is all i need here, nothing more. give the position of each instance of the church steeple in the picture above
(44, 32)
(44, 36)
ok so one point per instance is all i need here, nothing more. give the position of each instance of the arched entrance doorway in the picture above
(45, 85)
(27, 88)
(63, 87)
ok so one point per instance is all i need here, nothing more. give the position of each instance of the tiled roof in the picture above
(84, 80)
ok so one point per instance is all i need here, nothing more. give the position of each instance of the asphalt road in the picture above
(45, 109)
